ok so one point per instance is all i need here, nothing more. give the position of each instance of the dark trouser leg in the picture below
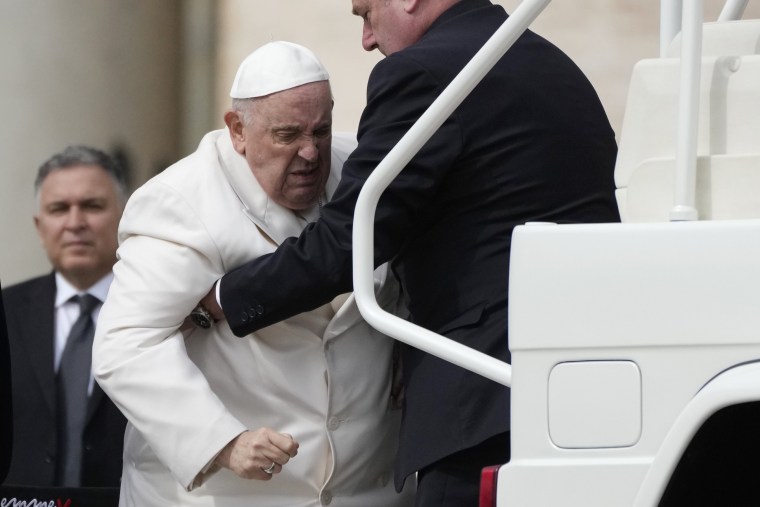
(454, 481)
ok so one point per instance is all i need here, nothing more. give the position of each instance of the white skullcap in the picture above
(275, 67)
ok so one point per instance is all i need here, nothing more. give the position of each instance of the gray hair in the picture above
(80, 155)
(245, 108)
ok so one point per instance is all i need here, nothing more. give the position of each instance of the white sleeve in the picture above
(167, 262)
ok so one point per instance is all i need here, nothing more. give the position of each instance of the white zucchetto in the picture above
(275, 67)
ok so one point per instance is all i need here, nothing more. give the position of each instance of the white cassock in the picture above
(323, 376)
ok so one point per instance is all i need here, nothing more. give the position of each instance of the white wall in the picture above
(95, 72)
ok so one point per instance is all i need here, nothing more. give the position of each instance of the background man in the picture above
(66, 431)
(531, 143)
(208, 411)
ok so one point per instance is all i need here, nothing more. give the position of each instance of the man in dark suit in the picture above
(531, 143)
(80, 194)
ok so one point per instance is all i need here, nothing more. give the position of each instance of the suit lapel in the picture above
(39, 336)
(96, 398)
(346, 315)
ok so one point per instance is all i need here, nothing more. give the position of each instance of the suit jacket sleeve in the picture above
(139, 355)
(308, 271)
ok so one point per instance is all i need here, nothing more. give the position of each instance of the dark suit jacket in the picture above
(531, 143)
(6, 409)
(29, 308)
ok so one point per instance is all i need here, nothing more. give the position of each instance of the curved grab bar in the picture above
(391, 166)
(733, 10)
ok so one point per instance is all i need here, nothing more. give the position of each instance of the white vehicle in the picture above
(635, 346)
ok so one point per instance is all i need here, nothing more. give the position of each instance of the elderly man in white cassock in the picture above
(296, 414)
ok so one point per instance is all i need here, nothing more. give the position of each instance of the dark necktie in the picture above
(73, 380)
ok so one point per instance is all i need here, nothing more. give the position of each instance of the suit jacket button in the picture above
(252, 313)
(244, 317)
(259, 309)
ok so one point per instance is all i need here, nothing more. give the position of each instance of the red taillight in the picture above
(489, 477)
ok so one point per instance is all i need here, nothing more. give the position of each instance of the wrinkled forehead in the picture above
(307, 103)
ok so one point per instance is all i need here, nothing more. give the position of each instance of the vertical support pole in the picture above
(688, 113)
(670, 23)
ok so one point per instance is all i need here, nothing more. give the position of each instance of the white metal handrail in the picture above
(391, 166)
(688, 113)
(733, 10)
(689, 19)
(670, 23)
(671, 14)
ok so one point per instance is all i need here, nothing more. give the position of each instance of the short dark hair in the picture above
(80, 155)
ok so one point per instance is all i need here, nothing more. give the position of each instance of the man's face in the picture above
(287, 143)
(77, 221)
(387, 25)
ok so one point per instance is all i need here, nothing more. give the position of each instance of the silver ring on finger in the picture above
(270, 469)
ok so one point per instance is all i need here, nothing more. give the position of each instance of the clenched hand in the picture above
(252, 452)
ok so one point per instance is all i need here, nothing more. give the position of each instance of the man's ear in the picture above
(234, 123)
(411, 6)
(38, 228)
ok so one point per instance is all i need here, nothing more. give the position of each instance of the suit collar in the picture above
(458, 8)
(65, 291)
